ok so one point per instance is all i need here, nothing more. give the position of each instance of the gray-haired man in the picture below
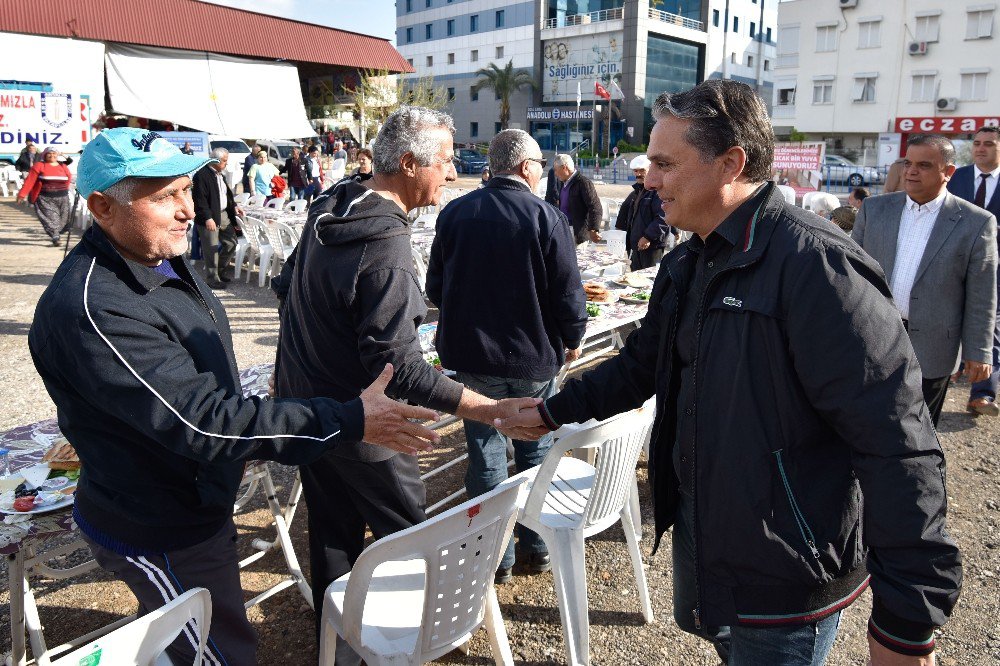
(353, 305)
(215, 214)
(535, 321)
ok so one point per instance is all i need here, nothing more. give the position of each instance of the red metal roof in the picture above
(200, 26)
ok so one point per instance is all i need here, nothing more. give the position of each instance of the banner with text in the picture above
(50, 119)
(583, 59)
(798, 164)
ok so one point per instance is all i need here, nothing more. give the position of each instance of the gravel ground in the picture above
(618, 635)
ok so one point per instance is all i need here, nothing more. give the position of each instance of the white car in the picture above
(277, 150)
(837, 169)
(238, 151)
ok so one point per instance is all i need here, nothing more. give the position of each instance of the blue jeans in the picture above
(298, 193)
(488, 449)
(803, 645)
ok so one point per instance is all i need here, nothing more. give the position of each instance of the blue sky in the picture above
(371, 17)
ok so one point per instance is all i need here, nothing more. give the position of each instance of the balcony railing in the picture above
(583, 19)
(667, 17)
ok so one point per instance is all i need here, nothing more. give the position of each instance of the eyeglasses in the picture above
(542, 161)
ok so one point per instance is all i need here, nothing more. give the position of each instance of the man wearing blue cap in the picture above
(136, 352)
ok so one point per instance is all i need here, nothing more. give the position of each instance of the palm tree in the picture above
(504, 82)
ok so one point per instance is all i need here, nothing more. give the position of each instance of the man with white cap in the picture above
(137, 354)
(641, 217)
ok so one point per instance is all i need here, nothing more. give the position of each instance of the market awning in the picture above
(208, 92)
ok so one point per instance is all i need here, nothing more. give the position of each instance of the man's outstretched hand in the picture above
(526, 425)
(386, 421)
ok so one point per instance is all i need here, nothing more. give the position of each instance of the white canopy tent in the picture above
(208, 92)
(68, 65)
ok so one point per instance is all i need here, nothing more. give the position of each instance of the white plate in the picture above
(628, 298)
(55, 506)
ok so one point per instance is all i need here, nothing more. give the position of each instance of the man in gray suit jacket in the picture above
(939, 254)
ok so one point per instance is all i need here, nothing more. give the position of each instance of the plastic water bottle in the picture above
(4, 463)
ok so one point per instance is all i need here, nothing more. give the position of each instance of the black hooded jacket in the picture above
(353, 305)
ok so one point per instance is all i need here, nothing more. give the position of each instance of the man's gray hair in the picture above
(408, 130)
(219, 153)
(509, 149)
(562, 159)
(943, 145)
(122, 191)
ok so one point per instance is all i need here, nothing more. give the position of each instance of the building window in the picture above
(786, 95)
(926, 28)
(450, 27)
(499, 16)
(767, 65)
(428, 31)
(409, 6)
(430, 61)
(732, 57)
(496, 128)
(980, 24)
(715, 17)
(409, 35)
(823, 92)
(974, 86)
(826, 38)
(863, 89)
(749, 61)
(451, 58)
(427, 3)
(474, 23)
(410, 60)
(451, 94)
(788, 46)
(474, 56)
(924, 88)
(499, 52)
(736, 24)
(753, 29)
(473, 129)
(870, 34)
(768, 33)
(670, 67)
(473, 95)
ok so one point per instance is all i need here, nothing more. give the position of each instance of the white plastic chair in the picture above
(242, 199)
(256, 200)
(421, 268)
(420, 593)
(820, 202)
(277, 203)
(242, 247)
(570, 500)
(142, 641)
(296, 206)
(283, 240)
(788, 192)
(261, 250)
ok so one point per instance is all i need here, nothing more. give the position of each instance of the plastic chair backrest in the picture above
(252, 230)
(616, 242)
(143, 640)
(619, 441)
(273, 234)
(296, 206)
(420, 266)
(255, 200)
(461, 549)
(277, 203)
(289, 234)
(242, 198)
(788, 192)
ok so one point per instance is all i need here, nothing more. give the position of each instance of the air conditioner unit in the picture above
(918, 48)
(847, 4)
(947, 103)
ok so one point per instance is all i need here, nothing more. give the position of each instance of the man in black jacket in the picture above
(641, 218)
(578, 200)
(137, 354)
(215, 214)
(502, 246)
(354, 305)
(297, 173)
(790, 423)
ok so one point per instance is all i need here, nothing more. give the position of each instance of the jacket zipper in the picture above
(800, 519)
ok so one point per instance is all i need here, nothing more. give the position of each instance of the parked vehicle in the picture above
(277, 150)
(469, 161)
(837, 169)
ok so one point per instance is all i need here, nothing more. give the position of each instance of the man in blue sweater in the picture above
(503, 272)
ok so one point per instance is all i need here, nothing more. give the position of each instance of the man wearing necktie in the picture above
(977, 183)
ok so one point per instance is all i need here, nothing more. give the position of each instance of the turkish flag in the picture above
(601, 91)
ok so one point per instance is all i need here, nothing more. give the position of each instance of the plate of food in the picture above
(640, 297)
(634, 280)
(598, 293)
(594, 310)
(47, 486)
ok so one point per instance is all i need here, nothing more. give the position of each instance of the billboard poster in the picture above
(583, 59)
(798, 164)
(50, 119)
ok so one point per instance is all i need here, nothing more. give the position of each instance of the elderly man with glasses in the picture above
(503, 272)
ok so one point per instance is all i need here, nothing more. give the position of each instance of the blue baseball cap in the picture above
(127, 152)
